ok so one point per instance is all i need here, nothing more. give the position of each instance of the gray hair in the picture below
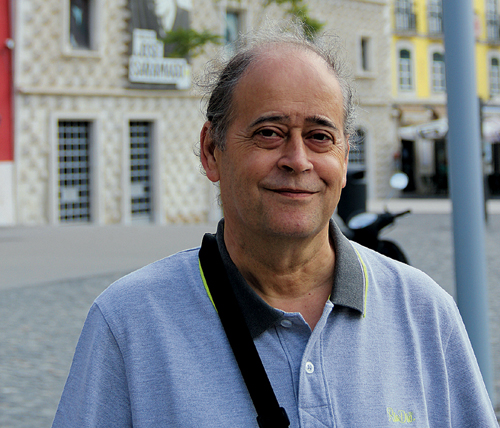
(223, 74)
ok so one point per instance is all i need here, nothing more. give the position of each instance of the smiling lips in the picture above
(291, 192)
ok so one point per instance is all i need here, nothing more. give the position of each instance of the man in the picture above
(348, 338)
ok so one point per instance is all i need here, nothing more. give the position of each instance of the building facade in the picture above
(104, 124)
(419, 91)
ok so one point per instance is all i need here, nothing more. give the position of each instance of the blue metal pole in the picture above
(466, 182)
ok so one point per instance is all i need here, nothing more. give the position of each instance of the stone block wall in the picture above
(54, 82)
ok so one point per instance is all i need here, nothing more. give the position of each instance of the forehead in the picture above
(292, 81)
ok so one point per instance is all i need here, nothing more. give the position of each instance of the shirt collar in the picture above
(347, 289)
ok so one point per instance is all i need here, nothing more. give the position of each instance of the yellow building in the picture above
(419, 90)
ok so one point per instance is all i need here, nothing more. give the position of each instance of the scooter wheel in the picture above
(390, 249)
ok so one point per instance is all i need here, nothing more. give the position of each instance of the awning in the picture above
(437, 129)
(491, 129)
(433, 130)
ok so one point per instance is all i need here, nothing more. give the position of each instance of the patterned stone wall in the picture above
(52, 82)
(183, 188)
(45, 59)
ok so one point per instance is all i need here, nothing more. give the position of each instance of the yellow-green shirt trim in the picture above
(206, 285)
(365, 273)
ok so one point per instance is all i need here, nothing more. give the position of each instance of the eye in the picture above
(268, 133)
(321, 137)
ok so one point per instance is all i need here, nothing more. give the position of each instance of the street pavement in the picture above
(49, 277)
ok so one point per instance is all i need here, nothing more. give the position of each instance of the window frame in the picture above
(96, 19)
(410, 87)
(358, 158)
(365, 52)
(492, 21)
(435, 16)
(96, 216)
(405, 19)
(491, 57)
(237, 7)
(157, 123)
(436, 50)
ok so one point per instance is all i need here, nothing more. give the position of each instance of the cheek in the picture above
(334, 170)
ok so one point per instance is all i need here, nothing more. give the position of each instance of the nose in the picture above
(294, 157)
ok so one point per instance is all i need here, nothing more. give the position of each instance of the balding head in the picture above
(222, 81)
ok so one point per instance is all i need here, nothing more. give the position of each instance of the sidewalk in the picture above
(38, 255)
(424, 206)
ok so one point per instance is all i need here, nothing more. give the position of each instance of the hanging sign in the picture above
(147, 64)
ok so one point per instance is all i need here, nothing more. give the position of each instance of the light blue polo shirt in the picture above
(389, 349)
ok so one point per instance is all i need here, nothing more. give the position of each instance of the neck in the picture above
(294, 275)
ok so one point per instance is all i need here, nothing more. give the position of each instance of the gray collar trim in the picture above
(347, 290)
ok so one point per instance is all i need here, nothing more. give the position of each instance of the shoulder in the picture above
(168, 280)
(391, 283)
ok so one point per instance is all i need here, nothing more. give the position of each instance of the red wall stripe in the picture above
(6, 114)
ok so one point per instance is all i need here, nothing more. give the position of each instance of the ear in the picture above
(346, 160)
(207, 154)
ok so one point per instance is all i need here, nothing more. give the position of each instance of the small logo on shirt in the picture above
(400, 416)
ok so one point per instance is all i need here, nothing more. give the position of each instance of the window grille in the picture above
(435, 16)
(405, 70)
(74, 171)
(140, 169)
(405, 18)
(357, 154)
(79, 24)
(492, 21)
(494, 77)
(438, 73)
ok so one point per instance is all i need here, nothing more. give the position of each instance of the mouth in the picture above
(293, 192)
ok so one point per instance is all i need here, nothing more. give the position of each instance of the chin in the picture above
(287, 227)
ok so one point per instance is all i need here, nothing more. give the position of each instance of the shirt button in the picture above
(286, 323)
(309, 367)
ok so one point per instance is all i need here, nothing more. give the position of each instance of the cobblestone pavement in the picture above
(41, 323)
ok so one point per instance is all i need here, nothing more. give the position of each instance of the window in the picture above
(357, 154)
(365, 57)
(405, 18)
(140, 170)
(233, 27)
(492, 21)
(79, 24)
(494, 77)
(435, 10)
(405, 70)
(74, 171)
(438, 74)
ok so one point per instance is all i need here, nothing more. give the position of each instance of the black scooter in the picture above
(365, 227)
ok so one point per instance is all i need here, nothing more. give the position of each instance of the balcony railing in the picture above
(436, 25)
(406, 21)
(493, 28)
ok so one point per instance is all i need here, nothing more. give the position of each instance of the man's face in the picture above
(285, 160)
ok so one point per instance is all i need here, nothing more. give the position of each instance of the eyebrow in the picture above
(286, 119)
(270, 118)
(321, 121)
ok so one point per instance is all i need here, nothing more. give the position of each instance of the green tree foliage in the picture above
(299, 10)
(188, 42)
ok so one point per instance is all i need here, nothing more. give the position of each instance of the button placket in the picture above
(313, 399)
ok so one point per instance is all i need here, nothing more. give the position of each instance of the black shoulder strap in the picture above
(270, 414)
